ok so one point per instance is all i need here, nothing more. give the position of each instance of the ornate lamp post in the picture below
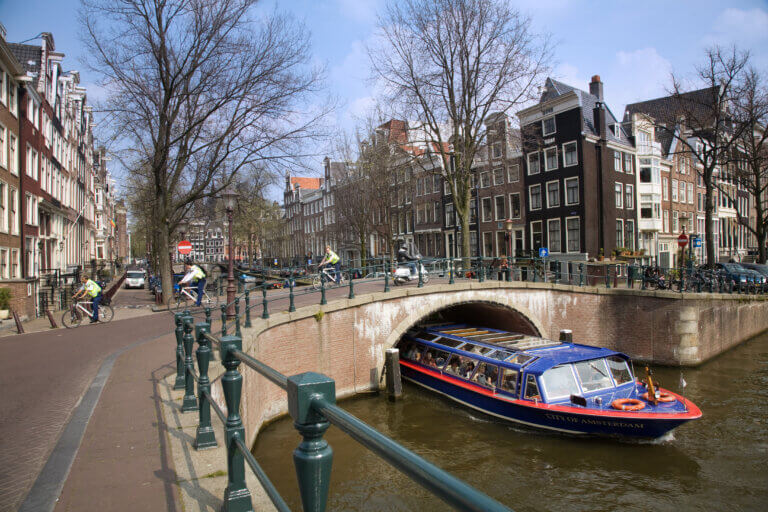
(230, 200)
(182, 226)
(508, 225)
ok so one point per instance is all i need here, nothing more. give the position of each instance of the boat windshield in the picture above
(619, 370)
(593, 374)
(559, 382)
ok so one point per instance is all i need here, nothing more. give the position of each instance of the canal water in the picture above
(719, 462)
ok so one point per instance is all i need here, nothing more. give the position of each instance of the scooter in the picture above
(403, 274)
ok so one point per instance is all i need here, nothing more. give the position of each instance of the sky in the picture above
(632, 45)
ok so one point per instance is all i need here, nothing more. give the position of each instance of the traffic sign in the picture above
(543, 252)
(696, 241)
(184, 247)
(682, 240)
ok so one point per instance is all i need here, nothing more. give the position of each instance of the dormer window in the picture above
(548, 126)
(616, 129)
(496, 150)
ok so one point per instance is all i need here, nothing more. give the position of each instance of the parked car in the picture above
(135, 279)
(734, 273)
(757, 267)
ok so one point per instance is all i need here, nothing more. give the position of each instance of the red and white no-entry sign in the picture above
(682, 240)
(184, 247)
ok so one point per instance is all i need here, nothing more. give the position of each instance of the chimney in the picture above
(596, 87)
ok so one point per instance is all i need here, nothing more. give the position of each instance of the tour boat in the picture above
(566, 387)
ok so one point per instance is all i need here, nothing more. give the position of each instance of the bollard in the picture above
(179, 384)
(630, 275)
(247, 308)
(480, 271)
(291, 305)
(452, 268)
(189, 403)
(392, 368)
(642, 279)
(237, 317)
(313, 457)
(223, 319)
(616, 276)
(351, 285)
(208, 317)
(322, 292)
(566, 335)
(607, 269)
(581, 274)
(265, 311)
(205, 436)
(236, 496)
(386, 278)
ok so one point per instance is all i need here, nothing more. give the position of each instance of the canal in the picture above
(719, 462)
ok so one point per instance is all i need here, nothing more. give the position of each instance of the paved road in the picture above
(43, 377)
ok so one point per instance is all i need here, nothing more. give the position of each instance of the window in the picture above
(509, 380)
(550, 158)
(496, 149)
(629, 234)
(666, 221)
(628, 163)
(619, 369)
(472, 210)
(498, 176)
(682, 192)
(534, 197)
(500, 213)
(531, 389)
(15, 274)
(514, 205)
(3, 147)
(553, 194)
(513, 173)
(3, 207)
(31, 162)
(569, 154)
(619, 232)
(593, 375)
(3, 260)
(559, 382)
(13, 150)
(629, 196)
(548, 126)
(619, 195)
(571, 191)
(536, 241)
(533, 163)
(674, 190)
(617, 161)
(11, 96)
(675, 221)
(553, 235)
(645, 170)
(449, 214)
(485, 179)
(485, 204)
(690, 193)
(573, 234)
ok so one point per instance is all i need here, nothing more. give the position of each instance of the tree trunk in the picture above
(363, 253)
(708, 228)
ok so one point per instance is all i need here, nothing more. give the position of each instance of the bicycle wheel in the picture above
(209, 301)
(344, 278)
(316, 283)
(71, 318)
(106, 314)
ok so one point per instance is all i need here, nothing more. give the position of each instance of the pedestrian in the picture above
(195, 275)
(92, 288)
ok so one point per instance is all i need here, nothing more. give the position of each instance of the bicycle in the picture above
(187, 294)
(328, 274)
(75, 314)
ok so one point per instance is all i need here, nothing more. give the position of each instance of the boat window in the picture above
(412, 351)
(619, 370)
(559, 382)
(509, 380)
(448, 342)
(430, 337)
(500, 355)
(593, 374)
(454, 366)
(520, 359)
(531, 388)
(486, 375)
(434, 358)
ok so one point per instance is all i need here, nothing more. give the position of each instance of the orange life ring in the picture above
(627, 404)
(663, 397)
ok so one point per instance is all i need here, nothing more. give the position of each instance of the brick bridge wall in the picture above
(346, 339)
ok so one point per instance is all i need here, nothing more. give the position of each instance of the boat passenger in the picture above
(480, 372)
(466, 370)
(429, 359)
(453, 366)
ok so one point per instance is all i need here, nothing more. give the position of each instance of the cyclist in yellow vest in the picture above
(331, 258)
(92, 289)
(194, 275)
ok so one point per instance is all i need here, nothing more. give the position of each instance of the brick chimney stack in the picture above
(596, 87)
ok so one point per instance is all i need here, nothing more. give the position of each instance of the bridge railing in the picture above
(260, 300)
(312, 406)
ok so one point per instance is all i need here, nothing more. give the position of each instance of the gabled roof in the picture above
(554, 89)
(669, 108)
(29, 57)
(306, 183)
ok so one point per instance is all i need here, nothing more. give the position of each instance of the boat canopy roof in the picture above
(544, 354)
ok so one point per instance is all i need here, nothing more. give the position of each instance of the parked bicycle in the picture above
(188, 294)
(329, 274)
(79, 310)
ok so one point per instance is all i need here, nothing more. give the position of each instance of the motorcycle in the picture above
(404, 274)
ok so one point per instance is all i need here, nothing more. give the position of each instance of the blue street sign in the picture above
(697, 242)
(543, 252)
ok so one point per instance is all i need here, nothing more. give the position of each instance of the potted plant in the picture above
(600, 255)
(5, 302)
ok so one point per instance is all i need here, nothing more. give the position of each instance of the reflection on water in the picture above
(719, 462)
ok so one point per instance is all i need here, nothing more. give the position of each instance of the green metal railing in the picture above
(312, 406)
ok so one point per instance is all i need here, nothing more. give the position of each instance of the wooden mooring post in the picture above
(19, 327)
(392, 368)
(566, 335)
(51, 319)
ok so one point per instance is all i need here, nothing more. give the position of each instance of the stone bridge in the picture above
(346, 339)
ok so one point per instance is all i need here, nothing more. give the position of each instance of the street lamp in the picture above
(229, 197)
(508, 225)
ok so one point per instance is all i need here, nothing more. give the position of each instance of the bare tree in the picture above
(254, 213)
(199, 89)
(451, 63)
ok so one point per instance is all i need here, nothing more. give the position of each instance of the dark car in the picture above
(734, 272)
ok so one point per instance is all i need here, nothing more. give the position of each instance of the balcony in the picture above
(651, 149)
(650, 225)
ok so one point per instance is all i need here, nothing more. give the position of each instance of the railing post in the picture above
(223, 319)
(313, 457)
(237, 498)
(189, 403)
(351, 284)
(237, 317)
(177, 318)
(386, 277)
(208, 317)
(247, 308)
(205, 436)
(607, 269)
(630, 275)
(322, 291)
(616, 275)
(581, 274)
(265, 311)
(452, 272)
(421, 277)
(239, 286)
(291, 304)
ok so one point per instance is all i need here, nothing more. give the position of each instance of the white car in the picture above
(134, 279)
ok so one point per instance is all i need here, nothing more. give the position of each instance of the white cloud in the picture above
(362, 11)
(741, 27)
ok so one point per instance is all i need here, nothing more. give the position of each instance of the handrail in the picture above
(312, 404)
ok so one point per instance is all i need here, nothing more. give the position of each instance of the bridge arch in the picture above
(499, 312)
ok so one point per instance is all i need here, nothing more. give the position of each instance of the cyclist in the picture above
(331, 258)
(92, 288)
(196, 276)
